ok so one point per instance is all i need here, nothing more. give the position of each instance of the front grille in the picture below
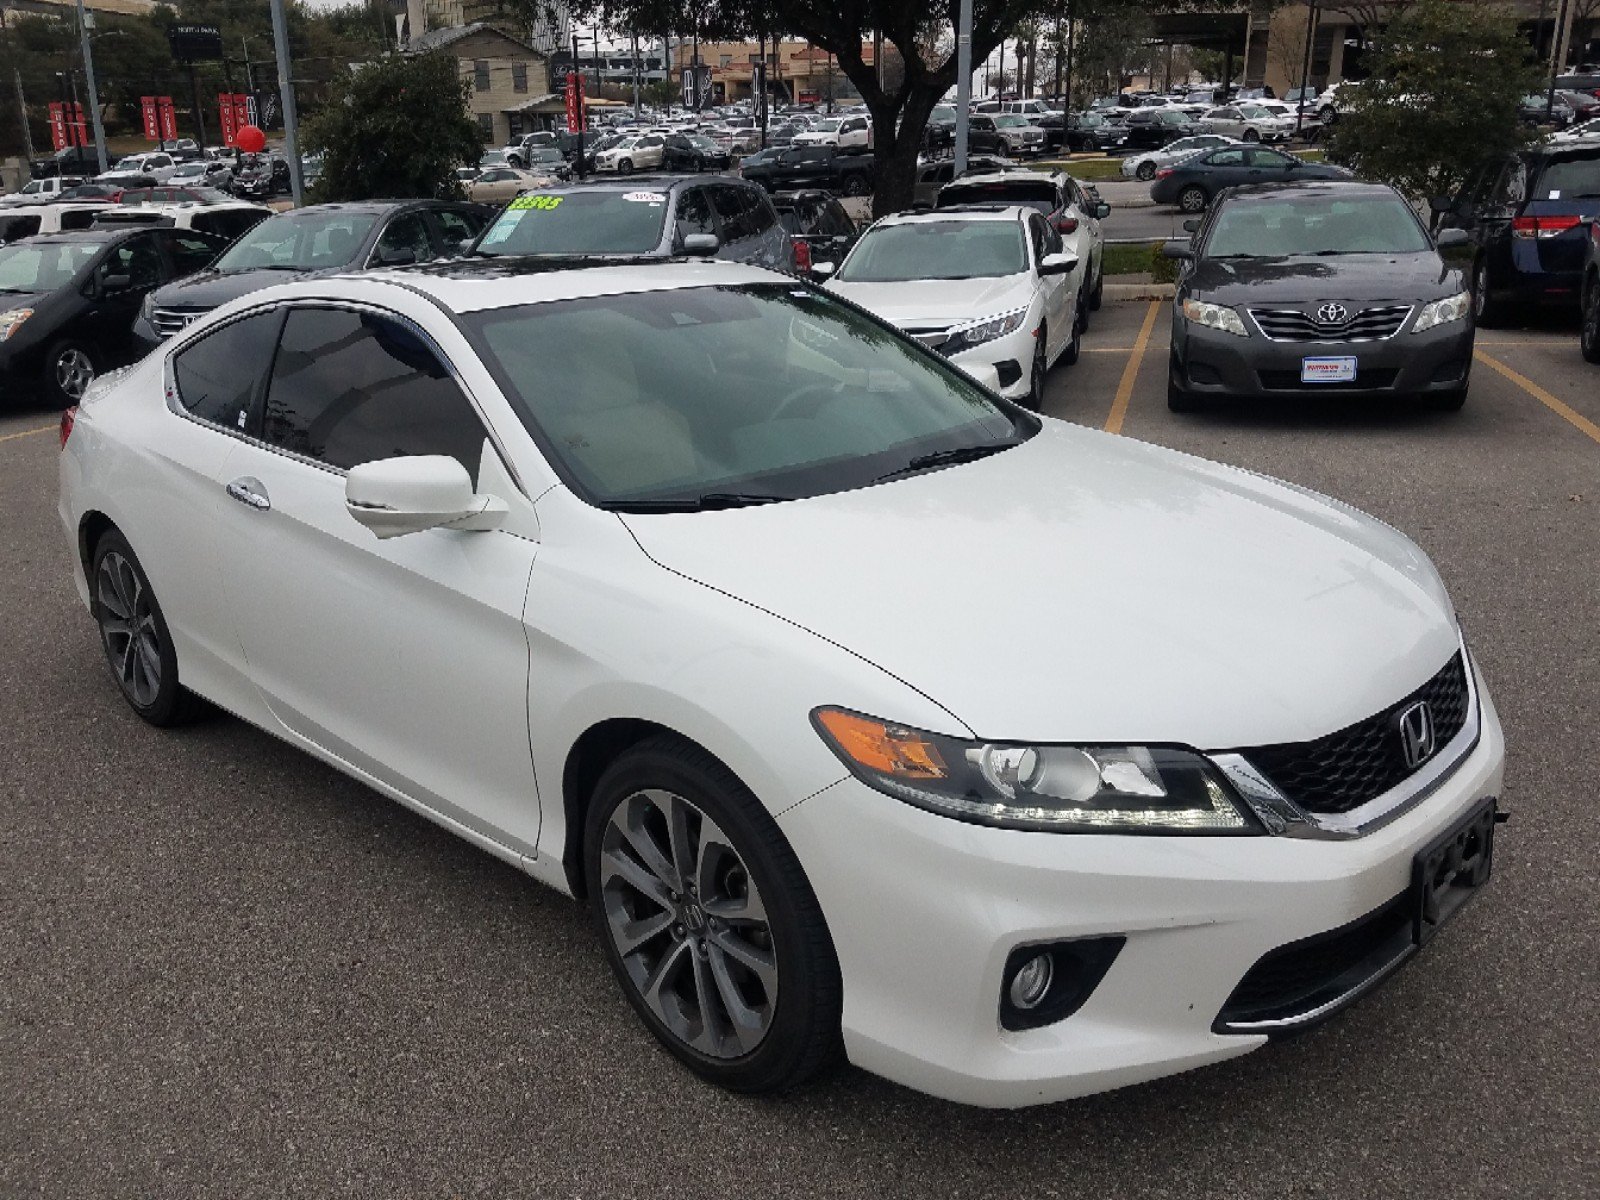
(1297, 980)
(1344, 770)
(1372, 379)
(1365, 325)
(168, 321)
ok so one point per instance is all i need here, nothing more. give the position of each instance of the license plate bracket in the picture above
(1328, 369)
(1450, 870)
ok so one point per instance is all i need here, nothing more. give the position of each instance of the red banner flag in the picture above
(77, 125)
(152, 123)
(169, 119)
(225, 112)
(58, 126)
(574, 103)
(241, 112)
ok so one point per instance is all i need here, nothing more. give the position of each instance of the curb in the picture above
(1139, 291)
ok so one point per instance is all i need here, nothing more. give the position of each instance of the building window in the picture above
(480, 75)
(486, 123)
(519, 77)
(726, 60)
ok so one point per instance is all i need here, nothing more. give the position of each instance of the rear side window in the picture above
(349, 388)
(217, 375)
(190, 253)
(459, 225)
(733, 206)
(1569, 178)
(694, 213)
(80, 219)
(13, 228)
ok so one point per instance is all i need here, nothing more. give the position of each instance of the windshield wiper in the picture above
(702, 503)
(945, 458)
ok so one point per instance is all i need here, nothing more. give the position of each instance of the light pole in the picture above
(291, 125)
(1305, 69)
(86, 23)
(963, 84)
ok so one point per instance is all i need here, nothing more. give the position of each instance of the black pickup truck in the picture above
(74, 160)
(826, 168)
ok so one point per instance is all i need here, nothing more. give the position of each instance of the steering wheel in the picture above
(808, 398)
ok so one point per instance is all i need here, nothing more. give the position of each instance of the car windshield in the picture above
(700, 142)
(539, 154)
(43, 266)
(1010, 122)
(936, 250)
(831, 125)
(715, 396)
(299, 241)
(1311, 225)
(603, 221)
(1577, 177)
(210, 195)
(1039, 194)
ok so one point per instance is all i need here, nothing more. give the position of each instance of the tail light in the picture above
(69, 417)
(1163, 172)
(1066, 224)
(1543, 227)
(802, 254)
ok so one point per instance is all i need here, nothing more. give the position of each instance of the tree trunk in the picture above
(897, 140)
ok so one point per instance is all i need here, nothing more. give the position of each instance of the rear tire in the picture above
(1145, 172)
(625, 167)
(736, 924)
(1074, 348)
(134, 636)
(1097, 297)
(69, 369)
(1250, 135)
(1486, 310)
(1589, 332)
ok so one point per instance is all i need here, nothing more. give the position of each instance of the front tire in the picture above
(708, 920)
(1193, 199)
(1251, 136)
(625, 167)
(1589, 333)
(69, 369)
(134, 635)
(1145, 172)
(1486, 310)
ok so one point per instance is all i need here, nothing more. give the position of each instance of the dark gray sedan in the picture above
(1193, 183)
(1336, 288)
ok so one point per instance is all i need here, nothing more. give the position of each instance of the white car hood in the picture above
(916, 303)
(1089, 587)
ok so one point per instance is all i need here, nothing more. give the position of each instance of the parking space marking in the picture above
(11, 437)
(1576, 419)
(1130, 373)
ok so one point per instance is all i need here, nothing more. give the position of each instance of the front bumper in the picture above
(1011, 356)
(924, 911)
(1206, 362)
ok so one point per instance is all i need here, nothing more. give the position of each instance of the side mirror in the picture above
(1178, 250)
(1058, 264)
(115, 283)
(397, 256)
(396, 496)
(1440, 205)
(1102, 211)
(701, 245)
(1452, 237)
(1192, 225)
(824, 269)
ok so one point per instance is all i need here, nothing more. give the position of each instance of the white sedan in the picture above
(989, 288)
(662, 628)
(1144, 166)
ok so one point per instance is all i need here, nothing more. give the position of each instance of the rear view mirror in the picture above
(701, 245)
(396, 496)
(1057, 264)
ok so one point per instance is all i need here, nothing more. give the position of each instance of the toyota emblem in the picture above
(1332, 314)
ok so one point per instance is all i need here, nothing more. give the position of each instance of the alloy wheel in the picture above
(1146, 171)
(1192, 200)
(74, 373)
(128, 629)
(1036, 374)
(1480, 289)
(688, 922)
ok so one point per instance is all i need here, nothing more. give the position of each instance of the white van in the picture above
(33, 219)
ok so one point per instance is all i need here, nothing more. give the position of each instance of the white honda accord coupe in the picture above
(866, 711)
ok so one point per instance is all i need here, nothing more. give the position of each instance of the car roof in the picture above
(1005, 176)
(481, 285)
(634, 183)
(96, 235)
(1310, 187)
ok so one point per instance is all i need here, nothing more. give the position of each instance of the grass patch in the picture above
(1130, 258)
(1090, 170)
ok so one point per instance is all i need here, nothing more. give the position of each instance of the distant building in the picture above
(550, 31)
(69, 8)
(797, 71)
(509, 79)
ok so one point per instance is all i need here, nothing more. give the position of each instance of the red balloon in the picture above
(250, 139)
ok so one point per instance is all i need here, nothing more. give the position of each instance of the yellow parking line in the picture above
(1576, 419)
(11, 437)
(1108, 349)
(1130, 373)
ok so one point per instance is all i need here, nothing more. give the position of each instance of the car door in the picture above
(1223, 168)
(982, 134)
(733, 222)
(406, 658)
(108, 324)
(1055, 289)
(1269, 166)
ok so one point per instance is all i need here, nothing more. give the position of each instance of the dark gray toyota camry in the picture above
(1329, 287)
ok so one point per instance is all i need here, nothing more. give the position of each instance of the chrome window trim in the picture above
(1284, 817)
(175, 405)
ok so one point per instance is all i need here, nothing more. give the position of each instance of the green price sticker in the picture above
(535, 203)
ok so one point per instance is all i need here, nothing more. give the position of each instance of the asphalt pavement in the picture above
(231, 972)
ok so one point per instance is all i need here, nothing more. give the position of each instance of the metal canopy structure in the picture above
(1210, 31)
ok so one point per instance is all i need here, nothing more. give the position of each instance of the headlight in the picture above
(9, 321)
(985, 330)
(147, 310)
(1215, 316)
(1094, 789)
(1442, 312)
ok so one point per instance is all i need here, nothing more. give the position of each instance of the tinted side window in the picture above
(1226, 158)
(694, 213)
(217, 375)
(459, 225)
(731, 207)
(349, 388)
(19, 227)
(189, 253)
(762, 216)
(408, 232)
(77, 220)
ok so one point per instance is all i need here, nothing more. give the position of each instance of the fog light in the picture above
(1031, 984)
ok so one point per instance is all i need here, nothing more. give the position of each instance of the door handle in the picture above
(250, 491)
